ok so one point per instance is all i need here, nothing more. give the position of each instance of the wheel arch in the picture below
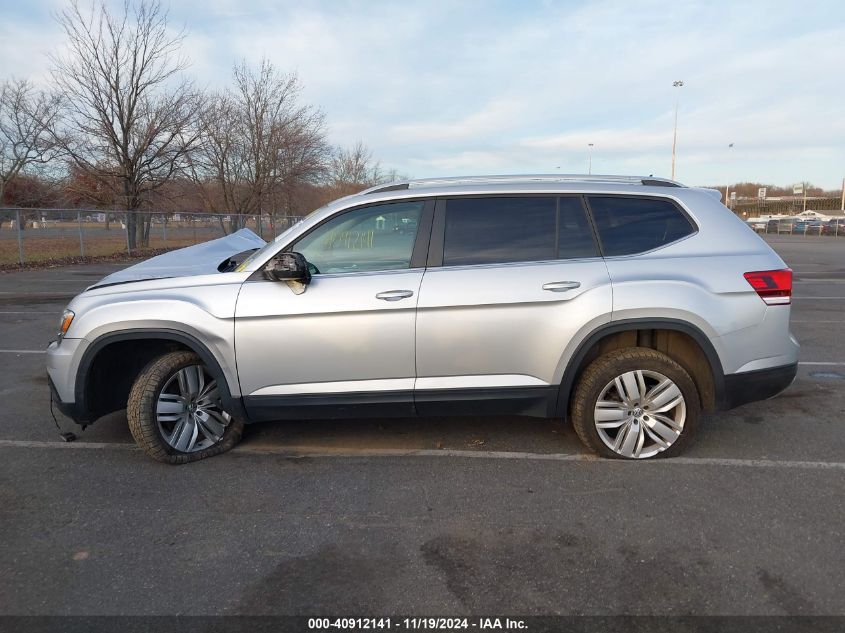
(146, 344)
(649, 332)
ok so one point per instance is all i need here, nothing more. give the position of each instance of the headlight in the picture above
(67, 319)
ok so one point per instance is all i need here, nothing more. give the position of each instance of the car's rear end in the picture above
(750, 310)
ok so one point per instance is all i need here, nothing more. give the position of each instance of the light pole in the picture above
(676, 84)
(590, 158)
(728, 187)
(842, 206)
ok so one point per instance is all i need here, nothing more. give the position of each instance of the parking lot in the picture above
(430, 516)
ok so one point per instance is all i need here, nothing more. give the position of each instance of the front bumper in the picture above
(61, 377)
(751, 386)
(70, 409)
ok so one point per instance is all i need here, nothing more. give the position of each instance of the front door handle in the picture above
(394, 295)
(561, 286)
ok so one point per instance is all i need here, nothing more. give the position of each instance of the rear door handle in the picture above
(394, 295)
(561, 286)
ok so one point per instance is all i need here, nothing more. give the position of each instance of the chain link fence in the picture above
(65, 235)
(784, 206)
(61, 235)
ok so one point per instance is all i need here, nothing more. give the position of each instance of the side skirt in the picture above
(330, 406)
(526, 401)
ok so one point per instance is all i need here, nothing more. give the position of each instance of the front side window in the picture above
(635, 225)
(380, 237)
(499, 230)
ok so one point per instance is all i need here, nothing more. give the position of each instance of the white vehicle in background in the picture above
(812, 216)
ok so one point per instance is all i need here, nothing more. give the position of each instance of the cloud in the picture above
(442, 88)
(490, 120)
(23, 51)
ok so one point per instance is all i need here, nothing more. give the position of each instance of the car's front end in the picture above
(179, 300)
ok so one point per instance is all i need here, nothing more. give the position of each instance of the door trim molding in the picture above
(485, 381)
(337, 387)
(427, 383)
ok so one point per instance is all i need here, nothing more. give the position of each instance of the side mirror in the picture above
(288, 267)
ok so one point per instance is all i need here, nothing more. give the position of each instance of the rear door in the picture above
(510, 281)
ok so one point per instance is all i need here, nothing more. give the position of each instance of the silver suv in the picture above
(627, 305)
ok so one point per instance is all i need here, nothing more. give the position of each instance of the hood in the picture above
(200, 259)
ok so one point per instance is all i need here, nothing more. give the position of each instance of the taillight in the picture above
(773, 286)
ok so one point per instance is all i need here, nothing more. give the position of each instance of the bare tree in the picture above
(258, 142)
(354, 169)
(26, 118)
(354, 166)
(129, 117)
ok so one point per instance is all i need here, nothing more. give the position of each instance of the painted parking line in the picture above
(841, 321)
(23, 351)
(32, 292)
(322, 452)
(80, 445)
(808, 362)
(315, 451)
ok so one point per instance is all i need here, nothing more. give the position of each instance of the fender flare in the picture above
(232, 404)
(561, 405)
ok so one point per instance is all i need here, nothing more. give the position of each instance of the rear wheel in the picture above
(635, 403)
(175, 413)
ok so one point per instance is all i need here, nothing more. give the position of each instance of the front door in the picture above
(346, 345)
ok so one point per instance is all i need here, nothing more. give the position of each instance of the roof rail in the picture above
(649, 181)
(392, 187)
(660, 182)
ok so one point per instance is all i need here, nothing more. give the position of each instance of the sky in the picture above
(460, 87)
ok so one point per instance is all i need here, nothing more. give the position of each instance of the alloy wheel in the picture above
(640, 413)
(188, 410)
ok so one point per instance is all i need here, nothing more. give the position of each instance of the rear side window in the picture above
(635, 225)
(515, 229)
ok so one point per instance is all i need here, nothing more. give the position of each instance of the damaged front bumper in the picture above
(69, 409)
(61, 378)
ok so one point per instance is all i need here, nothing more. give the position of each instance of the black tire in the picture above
(593, 380)
(141, 412)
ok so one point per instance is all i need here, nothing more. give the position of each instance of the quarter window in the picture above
(574, 233)
(379, 237)
(635, 225)
(515, 229)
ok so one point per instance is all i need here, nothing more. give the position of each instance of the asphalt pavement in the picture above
(431, 516)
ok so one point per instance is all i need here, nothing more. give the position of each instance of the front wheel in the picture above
(174, 411)
(635, 403)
